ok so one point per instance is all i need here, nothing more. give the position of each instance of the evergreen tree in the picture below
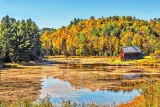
(19, 40)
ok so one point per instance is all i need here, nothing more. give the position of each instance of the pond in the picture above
(58, 90)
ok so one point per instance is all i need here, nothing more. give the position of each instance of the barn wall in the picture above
(131, 56)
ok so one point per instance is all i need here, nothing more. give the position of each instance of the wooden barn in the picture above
(131, 53)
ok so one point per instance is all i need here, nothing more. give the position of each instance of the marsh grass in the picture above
(112, 61)
(27, 103)
(45, 102)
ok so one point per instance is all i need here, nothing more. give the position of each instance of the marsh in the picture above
(76, 82)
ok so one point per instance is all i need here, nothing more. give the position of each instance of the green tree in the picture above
(82, 41)
(19, 40)
(7, 31)
(34, 37)
(137, 40)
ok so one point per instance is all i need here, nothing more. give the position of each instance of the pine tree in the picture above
(19, 40)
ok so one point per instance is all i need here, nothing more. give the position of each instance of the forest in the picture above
(22, 40)
(102, 36)
(19, 40)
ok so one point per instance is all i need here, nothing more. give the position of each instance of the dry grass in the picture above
(113, 61)
(21, 81)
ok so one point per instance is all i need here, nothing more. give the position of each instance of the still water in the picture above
(58, 90)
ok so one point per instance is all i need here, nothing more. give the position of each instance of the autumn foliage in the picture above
(103, 36)
(136, 102)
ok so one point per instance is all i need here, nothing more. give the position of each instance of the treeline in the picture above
(19, 40)
(103, 36)
(43, 30)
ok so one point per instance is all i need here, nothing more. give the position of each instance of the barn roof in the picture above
(131, 49)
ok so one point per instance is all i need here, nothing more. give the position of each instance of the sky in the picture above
(58, 13)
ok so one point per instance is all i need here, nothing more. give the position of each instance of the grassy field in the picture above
(113, 61)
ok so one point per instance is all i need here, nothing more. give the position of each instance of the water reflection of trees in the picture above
(92, 78)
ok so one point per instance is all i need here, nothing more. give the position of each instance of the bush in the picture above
(156, 54)
(151, 92)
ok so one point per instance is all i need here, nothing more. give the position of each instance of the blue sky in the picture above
(57, 13)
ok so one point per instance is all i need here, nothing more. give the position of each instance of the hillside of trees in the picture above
(22, 40)
(103, 36)
(19, 40)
